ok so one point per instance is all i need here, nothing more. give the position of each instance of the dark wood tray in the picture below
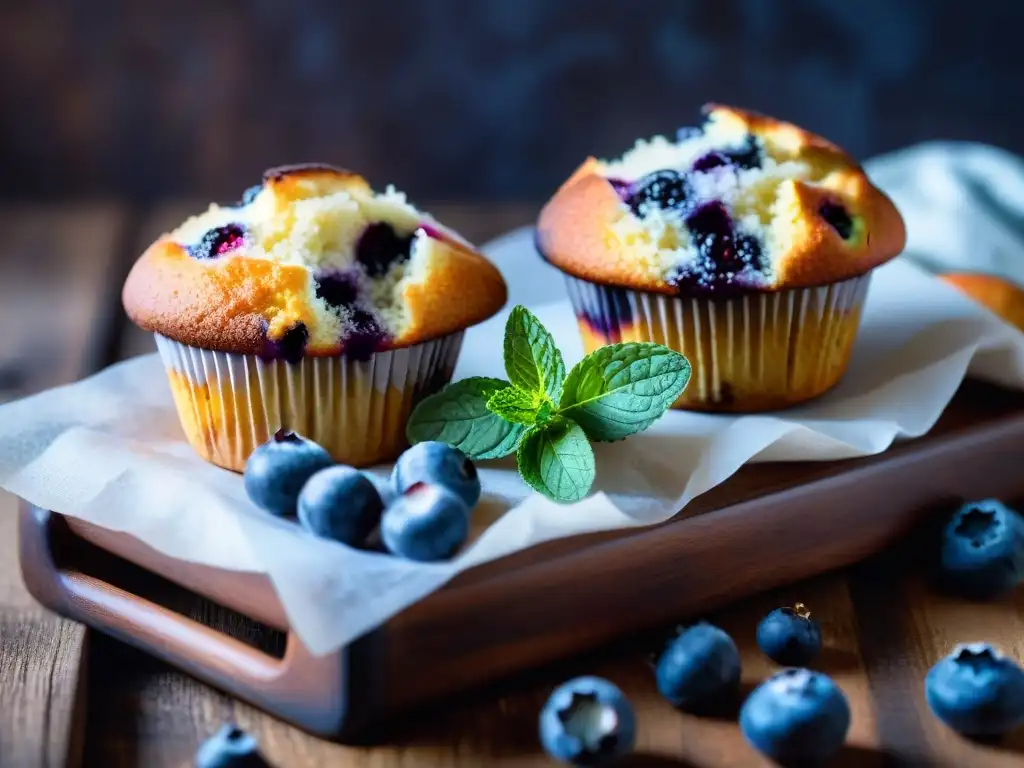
(766, 526)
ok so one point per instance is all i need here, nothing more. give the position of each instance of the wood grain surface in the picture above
(883, 627)
(57, 268)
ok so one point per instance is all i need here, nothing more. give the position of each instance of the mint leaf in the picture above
(458, 416)
(544, 413)
(532, 361)
(619, 390)
(557, 461)
(515, 405)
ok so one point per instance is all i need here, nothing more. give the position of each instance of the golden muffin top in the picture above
(311, 262)
(744, 203)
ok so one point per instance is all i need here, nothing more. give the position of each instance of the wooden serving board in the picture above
(767, 526)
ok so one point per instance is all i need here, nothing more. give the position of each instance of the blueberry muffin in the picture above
(314, 305)
(1000, 296)
(746, 244)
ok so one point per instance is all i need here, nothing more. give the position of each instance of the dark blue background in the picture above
(490, 99)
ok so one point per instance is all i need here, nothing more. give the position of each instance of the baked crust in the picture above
(244, 302)
(588, 231)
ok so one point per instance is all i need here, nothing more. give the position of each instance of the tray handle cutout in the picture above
(305, 689)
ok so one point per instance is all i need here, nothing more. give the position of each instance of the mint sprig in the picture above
(548, 417)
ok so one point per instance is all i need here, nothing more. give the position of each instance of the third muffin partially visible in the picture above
(746, 244)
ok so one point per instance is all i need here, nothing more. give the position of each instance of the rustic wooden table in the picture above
(72, 697)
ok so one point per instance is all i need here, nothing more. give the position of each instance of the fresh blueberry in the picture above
(796, 717)
(587, 721)
(230, 747)
(277, 470)
(665, 190)
(380, 246)
(976, 691)
(838, 217)
(789, 636)
(700, 669)
(384, 486)
(340, 503)
(438, 463)
(426, 523)
(982, 553)
(218, 241)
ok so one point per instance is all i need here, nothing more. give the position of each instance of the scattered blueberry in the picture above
(438, 463)
(218, 241)
(380, 246)
(277, 470)
(384, 486)
(340, 503)
(699, 670)
(982, 553)
(250, 194)
(788, 636)
(665, 190)
(838, 217)
(230, 747)
(426, 523)
(796, 717)
(976, 691)
(587, 721)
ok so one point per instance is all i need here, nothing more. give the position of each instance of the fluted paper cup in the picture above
(356, 409)
(756, 352)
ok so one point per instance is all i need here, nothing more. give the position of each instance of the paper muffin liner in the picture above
(760, 351)
(357, 410)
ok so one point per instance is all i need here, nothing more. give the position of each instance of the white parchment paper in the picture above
(109, 449)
